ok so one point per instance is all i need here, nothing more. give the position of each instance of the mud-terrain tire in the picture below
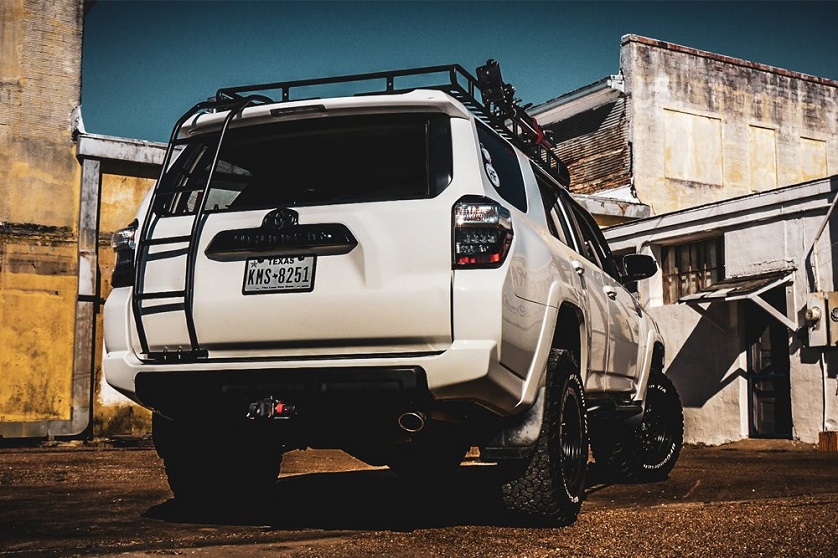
(218, 468)
(548, 486)
(647, 452)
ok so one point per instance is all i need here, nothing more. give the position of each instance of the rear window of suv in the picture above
(312, 162)
(500, 164)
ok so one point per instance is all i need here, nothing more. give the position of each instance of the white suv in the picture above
(400, 274)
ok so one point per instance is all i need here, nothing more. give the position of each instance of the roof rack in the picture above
(496, 106)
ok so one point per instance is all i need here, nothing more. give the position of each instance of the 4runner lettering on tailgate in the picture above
(402, 275)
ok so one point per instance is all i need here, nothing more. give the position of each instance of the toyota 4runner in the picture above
(399, 273)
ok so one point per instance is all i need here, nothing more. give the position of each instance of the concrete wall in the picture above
(705, 347)
(707, 127)
(40, 77)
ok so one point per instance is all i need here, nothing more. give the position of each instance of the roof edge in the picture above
(631, 38)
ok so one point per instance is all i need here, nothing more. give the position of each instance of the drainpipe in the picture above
(817, 277)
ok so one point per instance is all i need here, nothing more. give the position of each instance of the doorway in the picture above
(769, 387)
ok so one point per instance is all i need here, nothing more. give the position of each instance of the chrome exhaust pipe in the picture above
(412, 421)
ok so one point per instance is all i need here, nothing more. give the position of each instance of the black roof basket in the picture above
(487, 97)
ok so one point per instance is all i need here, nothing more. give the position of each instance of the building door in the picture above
(769, 389)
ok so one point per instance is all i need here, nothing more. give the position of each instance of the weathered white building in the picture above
(740, 349)
(678, 127)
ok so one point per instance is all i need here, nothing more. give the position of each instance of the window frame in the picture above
(555, 213)
(594, 241)
(670, 257)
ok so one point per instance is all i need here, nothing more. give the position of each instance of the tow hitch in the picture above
(270, 408)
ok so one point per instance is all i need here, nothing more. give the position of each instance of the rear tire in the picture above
(649, 451)
(548, 486)
(215, 468)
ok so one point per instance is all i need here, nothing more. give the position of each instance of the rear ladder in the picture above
(182, 298)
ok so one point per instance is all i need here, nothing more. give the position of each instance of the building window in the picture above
(690, 268)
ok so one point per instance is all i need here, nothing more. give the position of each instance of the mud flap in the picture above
(519, 437)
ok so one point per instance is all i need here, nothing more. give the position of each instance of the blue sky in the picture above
(145, 62)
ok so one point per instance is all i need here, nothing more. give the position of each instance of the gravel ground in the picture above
(746, 499)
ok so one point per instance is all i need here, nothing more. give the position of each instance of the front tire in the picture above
(548, 486)
(649, 451)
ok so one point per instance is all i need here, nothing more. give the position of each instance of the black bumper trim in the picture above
(209, 391)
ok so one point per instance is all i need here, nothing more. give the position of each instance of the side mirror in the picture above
(638, 266)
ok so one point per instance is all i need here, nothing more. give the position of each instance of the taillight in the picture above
(123, 245)
(482, 233)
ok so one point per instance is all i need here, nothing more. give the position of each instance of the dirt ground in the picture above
(97, 499)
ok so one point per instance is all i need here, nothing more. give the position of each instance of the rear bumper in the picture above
(339, 390)
(467, 371)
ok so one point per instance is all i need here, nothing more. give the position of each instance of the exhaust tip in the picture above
(412, 421)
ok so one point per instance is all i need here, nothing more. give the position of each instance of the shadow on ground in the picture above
(372, 500)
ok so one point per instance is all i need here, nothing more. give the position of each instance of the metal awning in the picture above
(748, 287)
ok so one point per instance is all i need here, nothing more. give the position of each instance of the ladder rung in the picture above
(162, 309)
(169, 240)
(160, 294)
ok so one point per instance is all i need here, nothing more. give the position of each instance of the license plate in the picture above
(286, 274)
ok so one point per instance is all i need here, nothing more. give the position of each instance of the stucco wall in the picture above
(40, 76)
(706, 127)
(703, 359)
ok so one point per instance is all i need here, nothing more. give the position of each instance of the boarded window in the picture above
(692, 147)
(763, 158)
(812, 159)
(689, 268)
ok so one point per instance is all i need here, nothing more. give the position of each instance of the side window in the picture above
(500, 163)
(596, 247)
(556, 219)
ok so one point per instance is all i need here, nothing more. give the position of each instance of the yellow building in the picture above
(43, 388)
(51, 233)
